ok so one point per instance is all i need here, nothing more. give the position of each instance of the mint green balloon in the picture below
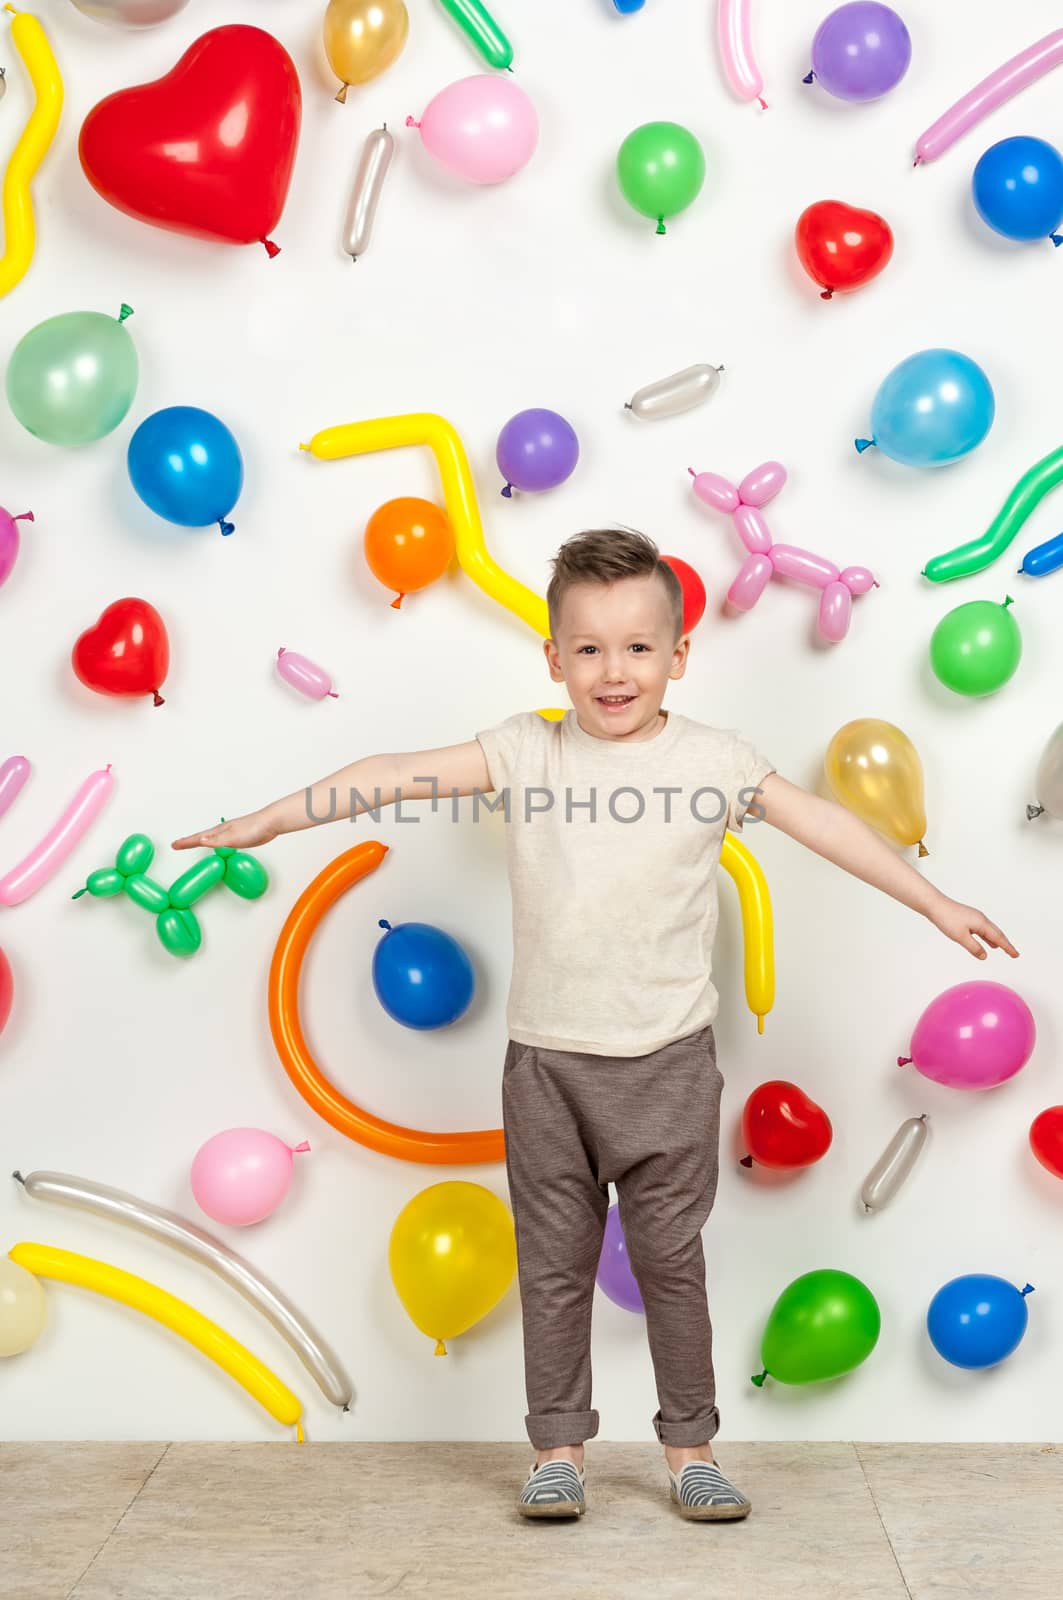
(823, 1324)
(72, 379)
(660, 169)
(976, 648)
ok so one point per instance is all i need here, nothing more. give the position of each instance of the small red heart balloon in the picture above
(782, 1127)
(209, 148)
(125, 652)
(1046, 1139)
(841, 247)
(693, 592)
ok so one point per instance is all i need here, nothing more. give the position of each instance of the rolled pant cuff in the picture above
(561, 1427)
(699, 1431)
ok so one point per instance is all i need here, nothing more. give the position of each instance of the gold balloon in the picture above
(362, 37)
(453, 1254)
(874, 769)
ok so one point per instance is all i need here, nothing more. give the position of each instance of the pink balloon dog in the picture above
(735, 29)
(242, 1175)
(973, 1036)
(999, 87)
(767, 559)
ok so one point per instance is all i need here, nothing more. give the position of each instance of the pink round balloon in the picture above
(9, 538)
(242, 1175)
(973, 1036)
(484, 128)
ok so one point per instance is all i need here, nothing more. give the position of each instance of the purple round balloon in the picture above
(615, 1277)
(536, 450)
(860, 51)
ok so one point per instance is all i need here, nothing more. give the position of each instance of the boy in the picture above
(615, 821)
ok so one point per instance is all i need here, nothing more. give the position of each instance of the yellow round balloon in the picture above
(362, 37)
(453, 1255)
(874, 769)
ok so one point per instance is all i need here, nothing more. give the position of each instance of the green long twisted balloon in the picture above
(979, 553)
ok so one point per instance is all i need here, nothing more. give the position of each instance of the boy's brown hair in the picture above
(602, 555)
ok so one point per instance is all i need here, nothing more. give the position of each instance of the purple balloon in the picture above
(536, 450)
(615, 1277)
(860, 51)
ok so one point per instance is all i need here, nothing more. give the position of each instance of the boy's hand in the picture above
(242, 833)
(962, 923)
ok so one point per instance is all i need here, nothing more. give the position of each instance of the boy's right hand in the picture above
(242, 833)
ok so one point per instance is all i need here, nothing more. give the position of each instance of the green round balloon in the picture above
(976, 648)
(72, 379)
(825, 1323)
(660, 169)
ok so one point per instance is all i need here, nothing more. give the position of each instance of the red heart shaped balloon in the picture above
(125, 652)
(841, 247)
(209, 148)
(782, 1127)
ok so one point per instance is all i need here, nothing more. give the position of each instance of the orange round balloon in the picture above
(409, 543)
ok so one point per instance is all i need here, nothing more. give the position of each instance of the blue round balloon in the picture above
(931, 409)
(422, 976)
(977, 1320)
(1018, 189)
(185, 464)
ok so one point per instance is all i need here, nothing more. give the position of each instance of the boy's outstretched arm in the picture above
(839, 836)
(376, 780)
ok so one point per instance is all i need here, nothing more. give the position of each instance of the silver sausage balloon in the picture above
(321, 1363)
(678, 392)
(1050, 779)
(131, 13)
(373, 167)
(894, 1164)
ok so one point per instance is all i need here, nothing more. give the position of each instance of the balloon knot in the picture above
(159, 701)
(397, 602)
(923, 851)
(440, 1349)
(693, 474)
(342, 96)
(1029, 1289)
(331, 695)
(762, 103)
(301, 1149)
(24, 516)
(828, 294)
(810, 78)
(280, 652)
(271, 248)
(758, 1378)
(746, 1161)
(1057, 239)
(18, 1177)
(382, 923)
(412, 122)
(1034, 811)
(1008, 601)
(79, 894)
(126, 311)
(918, 162)
(507, 492)
(226, 527)
(660, 225)
(862, 445)
(904, 1061)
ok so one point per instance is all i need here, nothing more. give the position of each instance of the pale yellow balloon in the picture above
(874, 769)
(453, 1255)
(362, 37)
(23, 1308)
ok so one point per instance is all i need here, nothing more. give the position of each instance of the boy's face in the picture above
(615, 653)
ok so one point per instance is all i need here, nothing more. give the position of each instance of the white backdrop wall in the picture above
(119, 1062)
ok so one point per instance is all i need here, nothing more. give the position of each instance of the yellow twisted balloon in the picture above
(31, 42)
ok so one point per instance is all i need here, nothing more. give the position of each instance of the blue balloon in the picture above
(185, 464)
(1018, 189)
(977, 1320)
(1043, 558)
(931, 409)
(422, 976)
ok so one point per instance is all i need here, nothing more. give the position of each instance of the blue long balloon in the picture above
(1043, 558)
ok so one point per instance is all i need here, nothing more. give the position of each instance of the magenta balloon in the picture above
(615, 1277)
(974, 1036)
(9, 538)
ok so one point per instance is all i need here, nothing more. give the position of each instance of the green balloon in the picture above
(103, 882)
(660, 169)
(246, 876)
(1027, 494)
(146, 892)
(136, 854)
(976, 648)
(825, 1323)
(72, 379)
(193, 884)
(179, 932)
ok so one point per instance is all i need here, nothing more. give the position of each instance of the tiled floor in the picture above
(261, 1522)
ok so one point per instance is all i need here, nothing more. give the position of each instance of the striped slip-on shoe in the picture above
(703, 1494)
(554, 1489)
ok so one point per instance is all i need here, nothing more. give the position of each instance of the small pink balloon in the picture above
(305, 675)
(715, 491)
(751, 580)
(484, 128)
(835, 611)
(9, 539)
(762, 484)
(242, 1175)
(858, 580)
(973, 1036)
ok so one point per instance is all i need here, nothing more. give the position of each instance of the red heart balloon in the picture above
(841, 247)
(1046, 1139)
(782, 1127)
(693, 592)
(209, 148)
(125, 652)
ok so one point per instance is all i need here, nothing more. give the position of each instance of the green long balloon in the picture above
(482, 29)
(978, 553)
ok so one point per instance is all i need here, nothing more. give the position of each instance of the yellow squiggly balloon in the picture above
(20, 236)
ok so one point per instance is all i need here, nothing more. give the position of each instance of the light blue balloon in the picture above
(931, 409)
(185, 464)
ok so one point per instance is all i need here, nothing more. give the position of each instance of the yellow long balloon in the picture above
(64, 1266)
(20, 234)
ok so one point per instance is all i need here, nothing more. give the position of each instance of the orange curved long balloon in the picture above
(389, 1138)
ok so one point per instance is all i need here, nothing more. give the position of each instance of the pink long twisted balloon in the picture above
(735, 28)
(1000, 86)
(767, 559)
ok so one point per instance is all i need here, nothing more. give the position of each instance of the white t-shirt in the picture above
(615, 910)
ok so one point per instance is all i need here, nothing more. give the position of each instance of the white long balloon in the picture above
(1049, 779)
(131, 13)
(895, 1163)
(373, 167)
(318, 1359)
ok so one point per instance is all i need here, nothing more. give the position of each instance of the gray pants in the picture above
(650, 1125)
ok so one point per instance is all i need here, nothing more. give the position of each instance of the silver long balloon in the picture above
(678, 392)
(373, 167)
(1050, 779)
(131, 13)
(894, 1164)
(321, 1362)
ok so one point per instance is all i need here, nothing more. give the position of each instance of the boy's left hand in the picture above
(962, 923)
